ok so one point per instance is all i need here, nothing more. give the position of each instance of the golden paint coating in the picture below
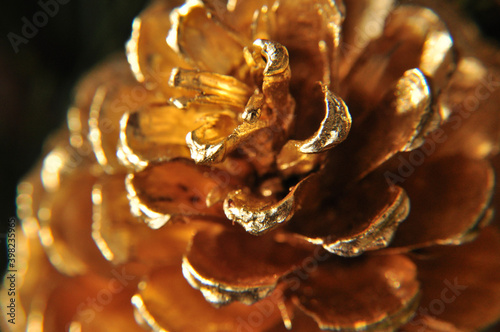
(260, 165)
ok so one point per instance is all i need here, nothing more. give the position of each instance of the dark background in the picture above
(36, 82)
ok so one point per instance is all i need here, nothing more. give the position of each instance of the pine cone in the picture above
(250, 166)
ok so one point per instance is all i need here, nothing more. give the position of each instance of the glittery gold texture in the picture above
(291, 165)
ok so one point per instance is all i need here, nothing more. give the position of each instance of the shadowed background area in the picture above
(37, 80)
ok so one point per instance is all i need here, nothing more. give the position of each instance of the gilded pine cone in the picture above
(265, 165)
